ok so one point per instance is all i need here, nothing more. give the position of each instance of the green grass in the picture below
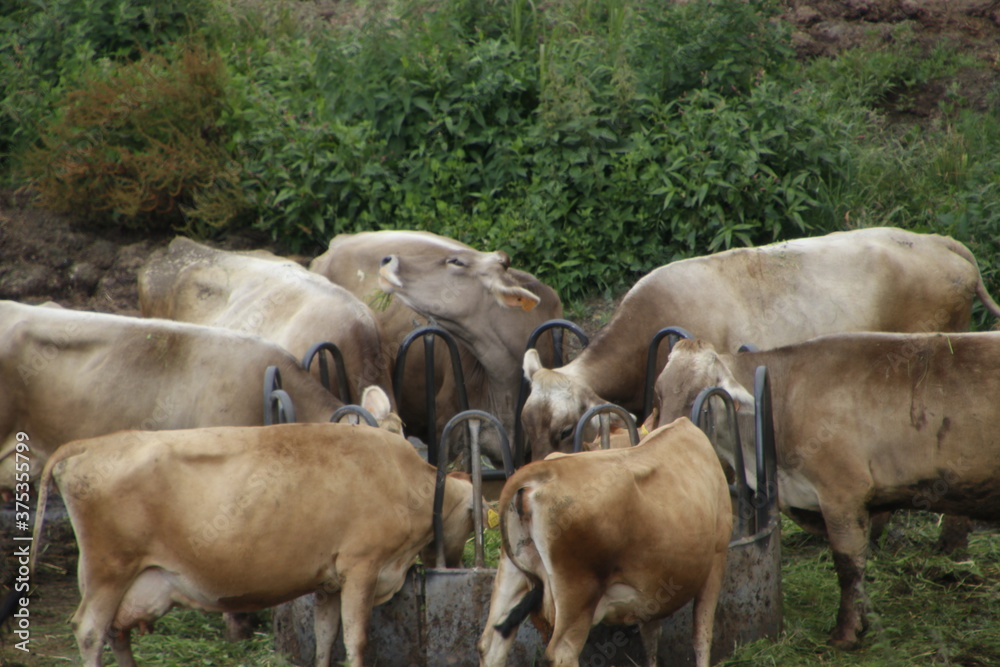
(927, 608)
(188, 637)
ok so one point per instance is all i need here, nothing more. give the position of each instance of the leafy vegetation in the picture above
(593, 140)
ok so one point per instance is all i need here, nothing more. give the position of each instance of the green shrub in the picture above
(136, 145)
(47, 46)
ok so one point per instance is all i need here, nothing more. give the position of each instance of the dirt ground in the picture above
(47, 256)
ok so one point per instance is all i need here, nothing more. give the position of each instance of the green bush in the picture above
(136, 145)
(582, 137)
(47, 46)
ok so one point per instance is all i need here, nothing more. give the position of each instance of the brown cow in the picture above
(864, 423)
(218, 519)
(259, 293)
(621, 536)
(878, 279)
(489, 307)
(67, 374)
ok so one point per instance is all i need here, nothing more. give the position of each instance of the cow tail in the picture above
(521, 610)
(961, 250)
(44, 483)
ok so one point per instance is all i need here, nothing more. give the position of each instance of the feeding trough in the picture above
(438, 616)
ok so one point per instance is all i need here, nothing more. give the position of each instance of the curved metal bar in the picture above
(700, 410)
(474, 417)
(324, 373)
(675, 333)
(766, 497)
(272, 381)
(355, 410)
(633, 432)
(748, 347)
(427, 333)
(559, 327)
(280, 409)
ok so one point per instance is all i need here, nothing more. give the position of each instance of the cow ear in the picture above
(375, 401)
(515, 297)
(532, 363)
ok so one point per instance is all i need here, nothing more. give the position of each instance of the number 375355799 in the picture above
(22, 477)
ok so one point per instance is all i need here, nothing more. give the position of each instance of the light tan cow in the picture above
(621, 536)
(489, 307)
(239, 519)
(67, 374)
(864, 422)
(879, 279)
(260, 293)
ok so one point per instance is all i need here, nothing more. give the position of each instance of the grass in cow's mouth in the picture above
(379, 301)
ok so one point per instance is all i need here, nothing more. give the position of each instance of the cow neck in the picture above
(496, 374)
(613, 366)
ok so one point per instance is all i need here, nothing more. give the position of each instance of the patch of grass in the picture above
(189, 637)
(927, 608)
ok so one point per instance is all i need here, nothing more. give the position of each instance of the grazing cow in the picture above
(489, 307)
(864, 422)
(275, 298)
(621, 536)
(238, 519)
(67, 374)
(878, 279)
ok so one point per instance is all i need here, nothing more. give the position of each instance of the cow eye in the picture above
(566, 433)
(455, 261)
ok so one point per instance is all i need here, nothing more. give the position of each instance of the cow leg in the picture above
(326, 625)
(848, 534)
(357, 597)
(575, 603)
(240, 625)
(509, 587)
(705, 603)
(954, 534)
(91, 625)
(121, 646)
(650, 634)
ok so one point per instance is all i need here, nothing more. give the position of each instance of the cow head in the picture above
(376, 401)
(457, 517)
(554, 407)
(695, 365)
(452, 283)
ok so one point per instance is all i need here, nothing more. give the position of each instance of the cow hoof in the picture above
(842, 644)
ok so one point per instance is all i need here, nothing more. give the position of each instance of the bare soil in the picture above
(45, 256)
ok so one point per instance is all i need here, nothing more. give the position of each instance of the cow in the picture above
(237, 519)
(879, 279)
(620, 536)
(489, 307)
(67, 374)
(260, 293)
(864, 423)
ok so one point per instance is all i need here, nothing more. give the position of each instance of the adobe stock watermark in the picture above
(22, 541)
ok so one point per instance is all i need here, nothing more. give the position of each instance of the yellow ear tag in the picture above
(643, 431)
(492, 518)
